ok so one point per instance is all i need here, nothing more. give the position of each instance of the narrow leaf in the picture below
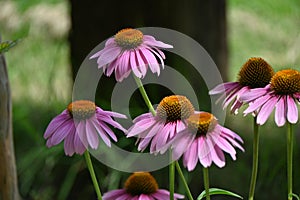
(5, 46)
(214, 191)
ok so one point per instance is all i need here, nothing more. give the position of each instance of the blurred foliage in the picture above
(41, 89)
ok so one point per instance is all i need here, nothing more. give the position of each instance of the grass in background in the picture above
(39, 72)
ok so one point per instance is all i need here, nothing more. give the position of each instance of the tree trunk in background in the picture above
(94, 21)
(8, 175)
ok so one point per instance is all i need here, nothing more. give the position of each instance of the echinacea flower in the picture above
(140, 186)
(255, 73)
(79, 126)
(282, 94)
(159, 129)
(128, 51)
(205, 140)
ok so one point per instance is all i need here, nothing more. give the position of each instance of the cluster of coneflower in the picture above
(175, 125)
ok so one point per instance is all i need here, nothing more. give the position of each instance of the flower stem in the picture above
(290, 140)
(255, 159)
(171, 167)
(92, 173)
(189, 194)
(172, 179)
(206, 182)
(144, 94)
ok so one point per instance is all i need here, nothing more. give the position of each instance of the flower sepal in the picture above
(216, 191)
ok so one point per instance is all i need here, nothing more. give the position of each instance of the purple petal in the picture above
(141, 64)
(221, 88)
(69, 143)
(78, 145)
(164, 134)
(266, 110)
(254, 94)
(134, 65)
(280, 112)
(161, 61)
(180, 143)
(230, 97)
(91, 134)
(103, 134)
(191, 156)
(218, 157)
(107, 130)
(150, 60)
(151, 41)
(226, 146)
(204, 151)
(139, 127)
(61, 133)
(113, 194)
(56, 123)
(292, 111)
(257, 103)
(108, 55)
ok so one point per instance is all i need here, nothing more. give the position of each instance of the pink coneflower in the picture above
(130, 50)
(79, 125)
(283, 93)
(204, 140)
(140, 186)
(255, 73)
(159, 129)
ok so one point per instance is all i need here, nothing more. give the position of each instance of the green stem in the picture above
(206, 182)
(290, 138)
(144, 94)
(188, 192)
(172, 179)
(255, 159)
(149, 105)
(92, 173)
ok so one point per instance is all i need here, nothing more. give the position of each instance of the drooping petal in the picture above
(134, 65)
(69, 143)
(113, 194)
(280, 112)
(223, 87)
(218, 156)
(292, 111)
(204, 151)
(56, 123)
(191, 156)
(108, 55)
(60, 134)
(257, 104)
(151, 41)
(91, 135)
(180, 143)
(141, 64)
(254, 94)
(266, 110)
(150, 59)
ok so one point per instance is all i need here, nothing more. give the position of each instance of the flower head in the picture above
(255, 73)
(79, 126)
(205, 140)
(128, 51)
(282, 94)
(159, 129)
(140, 185)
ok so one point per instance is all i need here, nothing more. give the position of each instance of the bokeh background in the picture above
(42, 66)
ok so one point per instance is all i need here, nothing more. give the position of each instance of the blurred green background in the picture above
(41, 84)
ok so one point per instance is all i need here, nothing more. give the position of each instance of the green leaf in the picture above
(5, 46)
(214, 191)
(296, 196)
